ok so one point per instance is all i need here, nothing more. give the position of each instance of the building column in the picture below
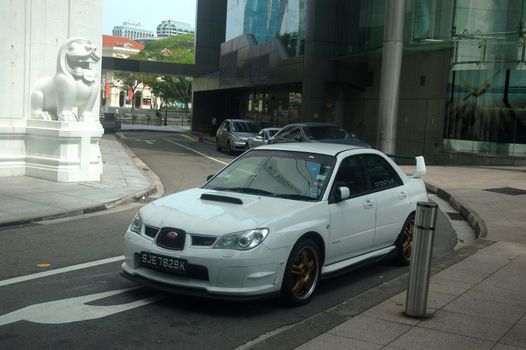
(319, 50)
(390, 75)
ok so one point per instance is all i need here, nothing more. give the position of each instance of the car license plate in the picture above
(163, 263)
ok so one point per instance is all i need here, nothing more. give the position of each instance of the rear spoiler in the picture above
(420, 165)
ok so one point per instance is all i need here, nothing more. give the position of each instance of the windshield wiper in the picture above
(248, 190)
(295, 196)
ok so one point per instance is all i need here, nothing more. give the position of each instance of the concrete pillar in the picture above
(319, 50)
(390, 75)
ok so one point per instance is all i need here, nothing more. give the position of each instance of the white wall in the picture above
(34, 31)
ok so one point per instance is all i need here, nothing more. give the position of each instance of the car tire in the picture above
(302, 273)
(404, 242)
(218, 146)
(228, 148)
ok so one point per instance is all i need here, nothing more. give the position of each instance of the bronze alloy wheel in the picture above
(302, 273)
(404, 243)
(407, 245)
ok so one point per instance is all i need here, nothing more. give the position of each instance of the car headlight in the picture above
(242, 240)
(136, 225)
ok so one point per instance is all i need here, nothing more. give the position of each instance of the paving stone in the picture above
(486, 328)
(391, 311)
(370, 330)
(500, 346)
(435, 300)
(334, 342)
(516, 336)
(421, 338)
(457, 274)
(479, 305)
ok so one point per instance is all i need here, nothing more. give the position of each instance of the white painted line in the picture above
(193, 150)
(59, 271)
(74, 309)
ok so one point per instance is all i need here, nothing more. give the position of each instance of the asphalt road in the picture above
(86, 307)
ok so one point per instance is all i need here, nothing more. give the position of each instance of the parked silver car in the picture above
(233, 134)
(262, 138)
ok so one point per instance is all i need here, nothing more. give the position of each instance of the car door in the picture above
(352, 220)
(392, 201)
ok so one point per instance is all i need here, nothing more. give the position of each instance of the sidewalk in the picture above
(477, 303)
(26, 199)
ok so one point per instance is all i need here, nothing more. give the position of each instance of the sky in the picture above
(148, 12)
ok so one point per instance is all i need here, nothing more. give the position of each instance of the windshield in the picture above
(282, 174)
(325, 132)
(245, 127)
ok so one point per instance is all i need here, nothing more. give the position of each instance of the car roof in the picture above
(307, 124)
(331, 149)
(242, 120)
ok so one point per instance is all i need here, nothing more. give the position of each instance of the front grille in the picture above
(171, 238)
(203, 240)
(150, 231)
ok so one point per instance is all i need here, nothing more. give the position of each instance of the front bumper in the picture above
(231, 273)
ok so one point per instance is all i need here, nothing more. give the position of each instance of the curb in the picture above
(468, 214)
(156, 187)
(100, 207)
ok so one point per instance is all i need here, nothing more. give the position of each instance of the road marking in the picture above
(193, 150)
(150, 142)
(188, 137)
(59, 271)
(74, 309)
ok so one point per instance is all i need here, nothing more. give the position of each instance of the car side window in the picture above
(283, 134)
(351, 174)
(294, 132)
(381, 173)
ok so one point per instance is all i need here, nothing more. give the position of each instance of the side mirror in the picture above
(341, 194)
(298, 138)
(209, 177)
(259, 137)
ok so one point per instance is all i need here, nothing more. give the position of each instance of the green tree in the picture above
(171, 89)
(175, 49)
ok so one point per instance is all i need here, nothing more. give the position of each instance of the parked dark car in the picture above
(262, 138)
(233, 134)
(317, 132)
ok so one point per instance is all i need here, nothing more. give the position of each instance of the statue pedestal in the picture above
(63, 151)
(12, 147)
(52, 150)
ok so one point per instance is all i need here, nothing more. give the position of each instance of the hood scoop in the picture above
(218, 198)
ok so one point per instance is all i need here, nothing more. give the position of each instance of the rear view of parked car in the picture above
(233, 134)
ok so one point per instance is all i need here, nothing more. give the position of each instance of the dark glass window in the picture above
(351, 174)
(381, 173)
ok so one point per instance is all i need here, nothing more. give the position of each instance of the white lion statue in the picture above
(73, 86)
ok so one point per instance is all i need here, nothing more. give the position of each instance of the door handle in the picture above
(402, 195)
(368, 204)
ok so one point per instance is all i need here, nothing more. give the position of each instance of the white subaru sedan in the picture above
(276, 220)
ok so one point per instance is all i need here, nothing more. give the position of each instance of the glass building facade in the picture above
(463, 83)
(486, 94)
(269, 19)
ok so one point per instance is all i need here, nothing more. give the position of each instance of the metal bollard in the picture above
(423, 236)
